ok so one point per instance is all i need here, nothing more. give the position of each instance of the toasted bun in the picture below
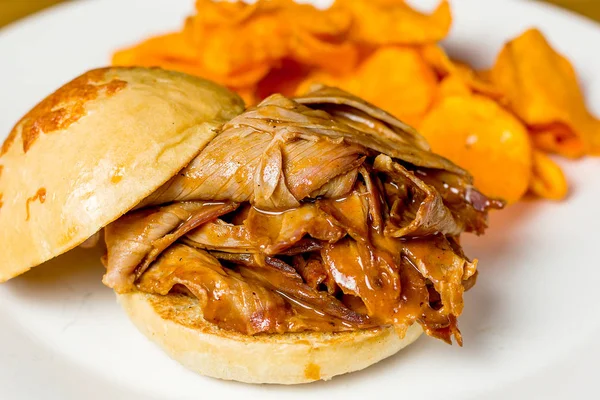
(95, 148)
(175, 323)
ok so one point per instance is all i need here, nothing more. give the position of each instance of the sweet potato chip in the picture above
(548, 180)
(541, 87)
(237, 44)
(284, 79)
(394, 78)
(436, 56)
(173, 46)
(171, 52)
(268, 31)
(383, 22)
(480, 136)
(332, 24)
(558, 139)
(177, 51)
(485, 75)
(313, 51)
(256, 41)
(218, 14)
(318, 37)
(452, 85)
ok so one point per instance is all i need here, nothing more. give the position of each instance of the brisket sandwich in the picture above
(290, 242)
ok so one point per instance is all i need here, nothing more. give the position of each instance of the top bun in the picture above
(94, 149)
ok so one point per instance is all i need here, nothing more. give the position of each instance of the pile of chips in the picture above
(500, 124)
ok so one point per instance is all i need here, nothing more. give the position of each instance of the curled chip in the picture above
(548, 179)
(173, 46)
(445, 67)
(482, 137)
(257, 39)
(318, 38)
(559, 139)
(394, 78)
(382, 22)
(175, 52)
(331, 23)
(452, 85)
(237, 44)
(541, 87)
(330, 56)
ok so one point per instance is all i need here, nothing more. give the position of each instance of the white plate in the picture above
(530, 325)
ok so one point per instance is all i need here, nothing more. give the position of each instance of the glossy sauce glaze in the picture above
(330, 215)
(355, 277)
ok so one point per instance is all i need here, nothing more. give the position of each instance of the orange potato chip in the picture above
(284, 79)
(224, 50)
(476, 82)
(452, 85)
(541, 87)
(173, 46)
(485, 75)
(212, 13)
(334, 57)
(485, 139)
(318, 37)
(548, 180)
(383, 22)
(230, 40)
(436, 56)
(268, 31)
(394, 78)
(558, 139)
(332, 24)
(133, 57)
(176, 51)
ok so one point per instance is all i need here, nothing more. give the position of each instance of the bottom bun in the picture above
(175, 323)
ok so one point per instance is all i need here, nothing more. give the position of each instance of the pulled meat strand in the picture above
(222, 236)
(275, 232)
(134, 241)
(232, 301)
(361, 271)
(284, 279)
(421, 211)
(464, 200)
(320, 213)
(256, 171)
(435, 259)
(314, 273)
(376, 129)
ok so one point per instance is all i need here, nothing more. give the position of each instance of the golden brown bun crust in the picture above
(175, 323)
(95, 148)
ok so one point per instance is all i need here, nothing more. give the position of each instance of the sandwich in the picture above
(289, 242)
